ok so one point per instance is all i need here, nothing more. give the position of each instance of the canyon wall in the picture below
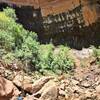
(52, 7)
(76, 22)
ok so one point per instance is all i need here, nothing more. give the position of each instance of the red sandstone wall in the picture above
(59, 6)
(89, 12)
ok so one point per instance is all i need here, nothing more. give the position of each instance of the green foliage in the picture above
(6, 40)
(62, 62)
(44, 57)
(14, 38)
(10, 13)
(3, 17)
(8, 58)
(56, 59)
(97, 54)
(28, 50)
(18, 43)
(4, 21)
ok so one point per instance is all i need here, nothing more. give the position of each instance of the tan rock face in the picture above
(98, 89)
(49, 91)
(7, 89)
(21, 79)
(40, 83)
(26, 83)
(29, 98)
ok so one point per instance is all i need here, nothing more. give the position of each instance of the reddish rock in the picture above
(7, 89)
(28, 87)
(88, 94)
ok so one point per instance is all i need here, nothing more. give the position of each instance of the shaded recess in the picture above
(77, 27)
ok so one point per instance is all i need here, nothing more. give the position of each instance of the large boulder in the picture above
(26, 83)
(7, 89)
(21, 79)
(48, 92)
(40, 83)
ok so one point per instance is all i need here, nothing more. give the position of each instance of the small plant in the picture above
(62, 62)
(97, 54)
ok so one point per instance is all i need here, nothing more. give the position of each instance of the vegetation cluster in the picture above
(17, 43)
(97, 54)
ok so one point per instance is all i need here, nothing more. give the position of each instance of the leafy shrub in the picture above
(10, 33)
(6, 40)
(10, 13)
(4, 21)
(44, 56)
(28, 50)
(97, 54)
(14, 38)
(18, 43)
(55, 59)
(62, 62)
(8, 58)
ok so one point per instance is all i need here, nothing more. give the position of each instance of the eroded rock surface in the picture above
(7, 89)
(83, 85)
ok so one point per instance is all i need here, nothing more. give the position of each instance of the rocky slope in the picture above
(82, 84)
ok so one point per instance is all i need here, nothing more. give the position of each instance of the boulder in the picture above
(49, 91)
(21, 79)
(7, 89)
(39, 84)
(26, 83)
